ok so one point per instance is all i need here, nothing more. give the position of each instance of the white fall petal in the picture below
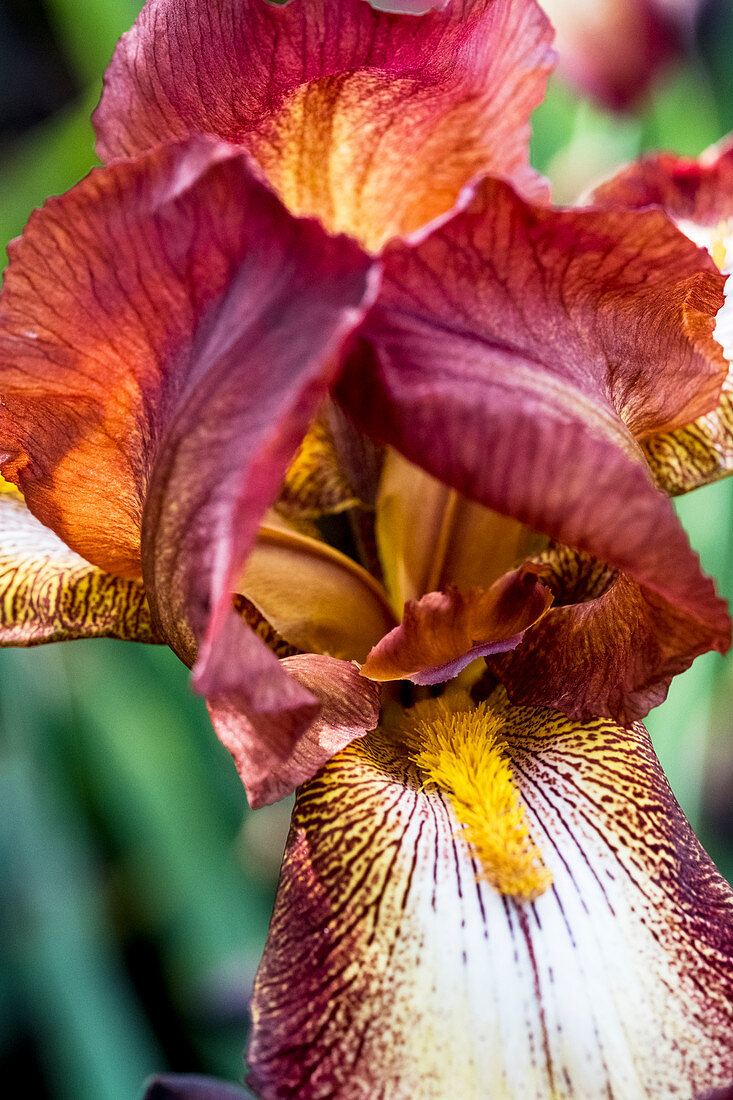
(393, 971)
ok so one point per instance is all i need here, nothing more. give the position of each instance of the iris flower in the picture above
(312, 383)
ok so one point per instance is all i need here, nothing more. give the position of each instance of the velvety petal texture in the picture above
(372, 121)
(698, 194)
(272, 768)
(393, 971)
(50, 594)
(168, 333)
(533, 337)
(443, 632)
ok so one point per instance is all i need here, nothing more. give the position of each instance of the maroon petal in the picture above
(273, 766)
(371, 120)
(698, 190)
(443, 632)
(517, 352)
(605, 638)
(168, 332)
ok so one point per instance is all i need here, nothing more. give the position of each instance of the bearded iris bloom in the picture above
(317, 279)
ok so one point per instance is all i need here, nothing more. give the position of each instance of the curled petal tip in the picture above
(443, 632)
(272, 767)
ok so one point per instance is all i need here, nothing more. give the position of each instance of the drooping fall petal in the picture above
(392, 970)
(50, 594)
(371, 121)
(443, 632)
(514, 354)
(698, 194)
(168, 331)
(273, 767)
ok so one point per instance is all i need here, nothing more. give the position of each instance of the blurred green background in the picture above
(135, 885)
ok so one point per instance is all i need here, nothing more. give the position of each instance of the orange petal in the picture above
(444, 631)
(371, 121)
(168, 332)
(315, 597)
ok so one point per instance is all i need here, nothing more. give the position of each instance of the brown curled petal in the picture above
(517, 354)
(617, 642)
(50, 594)
(371, 121)
(696, 190)
(391, 970)
(443, 632)
(272, 769)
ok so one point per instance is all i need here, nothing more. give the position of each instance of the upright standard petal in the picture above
(371, 121)
(698, 194)
(50, 594)
(532, 338)
(394, 969)
(167, 333)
